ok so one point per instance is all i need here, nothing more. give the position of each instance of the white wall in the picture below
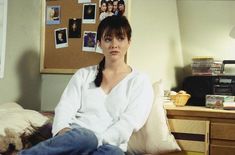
(52, 88)
(205, 26)
(156, 46)
(21, 82)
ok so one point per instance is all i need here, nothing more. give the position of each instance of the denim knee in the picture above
(86, 136)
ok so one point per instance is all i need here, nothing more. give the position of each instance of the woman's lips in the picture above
(114, 52)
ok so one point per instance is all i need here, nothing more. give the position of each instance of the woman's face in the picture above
(103, 7)
(110, 7)
(121, 7)
(114, 47)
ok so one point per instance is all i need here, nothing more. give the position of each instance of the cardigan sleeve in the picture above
(135, 115)
(69, 103)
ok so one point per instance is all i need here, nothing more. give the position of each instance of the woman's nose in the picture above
(114, 43)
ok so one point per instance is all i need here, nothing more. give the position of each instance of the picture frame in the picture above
(61, 38)
(89, 41)
(75, 27)
(68, 57)
(89, 13)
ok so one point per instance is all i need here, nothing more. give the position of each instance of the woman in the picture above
(110, 8)
(103, 6)
(102, 105)
(121, 7)
(103, 10)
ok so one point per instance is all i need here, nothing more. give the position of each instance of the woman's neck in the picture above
(118, 66)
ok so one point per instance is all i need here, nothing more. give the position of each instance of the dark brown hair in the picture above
(112, 25)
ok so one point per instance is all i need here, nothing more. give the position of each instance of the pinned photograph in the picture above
(89, 13)
(61, 38)
(89, 41)
(75, 28)
(53, 15)
(109, 8)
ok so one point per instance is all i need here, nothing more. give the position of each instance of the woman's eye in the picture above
(121, 38)
(107, 39)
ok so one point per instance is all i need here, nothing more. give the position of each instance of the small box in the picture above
(216, 101)
(229, 105)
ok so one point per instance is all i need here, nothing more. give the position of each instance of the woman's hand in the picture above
(62, 131)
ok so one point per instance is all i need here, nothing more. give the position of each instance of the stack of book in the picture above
(202, 65)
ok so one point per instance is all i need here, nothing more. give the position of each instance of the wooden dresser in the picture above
(203, 130)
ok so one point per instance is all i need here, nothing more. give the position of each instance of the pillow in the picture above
(155, 136)
(13, 116)
(14, 121)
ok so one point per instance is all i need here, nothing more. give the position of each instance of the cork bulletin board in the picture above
(63, 50)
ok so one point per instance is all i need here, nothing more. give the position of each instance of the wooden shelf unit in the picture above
(220, 123)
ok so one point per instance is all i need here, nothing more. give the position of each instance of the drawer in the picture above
(191, 135)
(223, 131)
(222, 150)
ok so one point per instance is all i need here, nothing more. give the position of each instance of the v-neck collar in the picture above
(119, 83)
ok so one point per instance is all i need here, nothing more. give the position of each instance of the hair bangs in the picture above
(117, 26)
(117, 32)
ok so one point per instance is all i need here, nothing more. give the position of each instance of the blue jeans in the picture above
(77, 141)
